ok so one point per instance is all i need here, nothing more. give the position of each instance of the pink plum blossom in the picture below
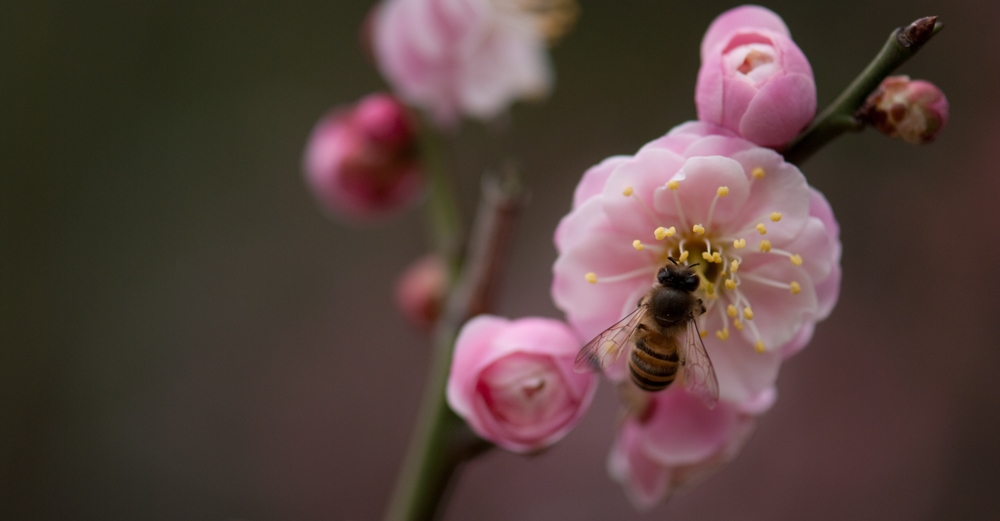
(767, 245)
(679, 442)
(754, 80)
(513, 381)
(420, 291)
(915, 111)
(361, 161)
(457, 58)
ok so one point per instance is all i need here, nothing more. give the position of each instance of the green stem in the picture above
(840, 116)
(442, 441)
(442, 208)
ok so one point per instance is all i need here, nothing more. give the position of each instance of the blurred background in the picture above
(186, 334)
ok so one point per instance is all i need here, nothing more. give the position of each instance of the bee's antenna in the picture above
(673, 260)
(693, 265)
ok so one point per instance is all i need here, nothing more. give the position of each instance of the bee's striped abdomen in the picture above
(653, 368)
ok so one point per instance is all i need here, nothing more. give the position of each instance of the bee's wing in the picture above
(699, 375)
(603, 351)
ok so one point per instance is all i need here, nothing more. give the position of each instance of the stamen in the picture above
(758, 173)
(593, 279)
(627, 192)
(738, 324)
(673, 184)
(732, 311)
(661, 232)
(698, 229)
(709, 289)
(794, 287)
(684, 256)
(637, 244)
(796, 259)
(739, 243)
(730, 284)
(723, 334)
(748, 313)
(759, 346)
(775, 216)
(761, 228)
(765, 245)
(703, 333)
(721, 192)
(734, 266)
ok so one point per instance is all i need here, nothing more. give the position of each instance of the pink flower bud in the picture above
(458, 58)
(914, 111)
(513, 381)
(754, 80)
(421, 290)
(362, 161)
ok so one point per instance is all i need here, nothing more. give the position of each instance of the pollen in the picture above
(662, 233)
(716, 257)
(761, 228)
(775, 216)
(794, 287)
(707, 256)
(738, 324)
(748, 313)
(627, 191)
(722, 191)
(732, 311)
(734, 266)
(722, 334)
(703, 334)
(759, 346)
(591, 277)
(710, 288)
(699, 229)
(739, 243)
(730, 284)
(765, 246)
(796, 259)
(683, 257)
(673, 185)
(758, 173)
(637, 244)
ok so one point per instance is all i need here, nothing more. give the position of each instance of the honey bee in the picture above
(663, 336)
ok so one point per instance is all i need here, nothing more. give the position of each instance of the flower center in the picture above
(715, 257)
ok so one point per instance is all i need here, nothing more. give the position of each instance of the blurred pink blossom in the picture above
(679, 442)
(767, 244)
(754, 80)
(362, 161)
(421, 290)
(513, 381)
(915, 111)
(457, 58)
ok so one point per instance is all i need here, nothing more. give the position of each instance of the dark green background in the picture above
(186, 336)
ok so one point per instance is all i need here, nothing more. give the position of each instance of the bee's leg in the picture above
(701, 307)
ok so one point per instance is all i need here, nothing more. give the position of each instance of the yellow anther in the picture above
(722, 334)
(765, 246)
(738, 324)
(699, 229)
(673, 185)
(591, 277)
(716, 257)
(683, 257)
(734, 266)
(709, 288)
(775, 216)
(730, 284)
(703, 334)
(661, 232)
(759, 346)
(748, 313)
(627, 191)
(758, 173)
(796, 259)
(722, 191)
(637, 244)
(707, 256)
(732, 311)
(794, 287)
(761, 228)
(739, 243)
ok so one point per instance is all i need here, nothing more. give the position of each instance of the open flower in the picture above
(766, 245)
(679, 442)
(513, 381)
(458, 58)
(362, 161)
(753, 79)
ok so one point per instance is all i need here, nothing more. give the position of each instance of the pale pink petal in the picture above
(476, 335)
(682, 430)
(700, 179)
(592, 183)
(762, 123)
(640, 176)
(645, 481)
(747, 16)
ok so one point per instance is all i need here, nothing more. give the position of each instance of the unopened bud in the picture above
(362, 161)
(912, 110)
(421, 291)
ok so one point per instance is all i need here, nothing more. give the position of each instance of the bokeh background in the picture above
(186, 335)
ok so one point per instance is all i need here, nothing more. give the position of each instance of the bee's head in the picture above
(674, 275)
